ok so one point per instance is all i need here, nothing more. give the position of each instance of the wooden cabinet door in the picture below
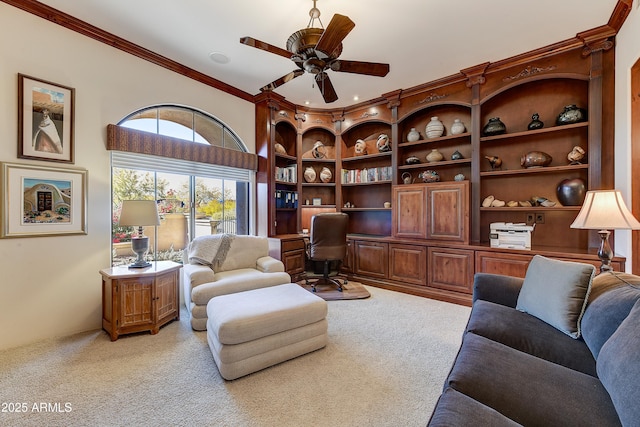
(409, 211)
(136, 309)
(451, 269)
(294, 262)
(166, 298)
(448, 211)
(408, 264)
(371, 259)
(347, 263)
(502, 263)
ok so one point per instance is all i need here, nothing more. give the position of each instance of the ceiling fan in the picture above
(316, 50)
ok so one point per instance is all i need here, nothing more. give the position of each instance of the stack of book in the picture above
(355, 176)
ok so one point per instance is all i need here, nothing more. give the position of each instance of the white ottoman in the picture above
(252, 330)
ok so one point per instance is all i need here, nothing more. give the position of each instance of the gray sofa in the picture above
(515, 369)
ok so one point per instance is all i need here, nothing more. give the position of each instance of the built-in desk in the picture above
(427, 268)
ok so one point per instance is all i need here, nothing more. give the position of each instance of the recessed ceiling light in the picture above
(356, 97)
(219, 57)
(306, 103)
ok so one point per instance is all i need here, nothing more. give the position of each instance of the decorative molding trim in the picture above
(475, 75)
(135, 141)
(529, 71)
(301, 117)
(432, 97)
(597, 39)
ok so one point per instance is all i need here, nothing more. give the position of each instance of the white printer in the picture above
(511, 235)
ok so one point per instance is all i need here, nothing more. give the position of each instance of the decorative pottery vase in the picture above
(535, 122)
(434, 156)
(360, 148)
(457, 127)
(407, 178)
(319, 151)
(457, 155)
(429, 176)
(383, 143)
(535, 159)
(310, 174)
(571, 114)
(434, 128)
(571, 192)
(459, 177)
(413, 135)
(279, 148)
(576, 155)
(326, 175)
(412, 160)
(494, 127)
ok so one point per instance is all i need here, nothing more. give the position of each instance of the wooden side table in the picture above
(140, 299)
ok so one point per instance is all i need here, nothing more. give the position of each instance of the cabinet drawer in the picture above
(292, 245)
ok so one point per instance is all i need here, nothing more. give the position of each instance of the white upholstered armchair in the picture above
(223, 264)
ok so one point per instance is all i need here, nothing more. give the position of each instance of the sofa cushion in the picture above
(556, 291)
(610, 302)
(529, 334)
(529, 390)
(619, 369)
(455, 409)
(243, 253)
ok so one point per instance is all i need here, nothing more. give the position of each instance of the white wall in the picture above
(51, 286)
(627, 53)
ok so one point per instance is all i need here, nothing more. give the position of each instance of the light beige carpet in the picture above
(385, 364)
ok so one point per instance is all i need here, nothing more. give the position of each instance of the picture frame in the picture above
(317, 201)
(43, 201)
(45, 120)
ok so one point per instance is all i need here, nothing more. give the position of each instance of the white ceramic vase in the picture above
(310, 174)
(325, 175)
(434, 156)
(434, 128)
(457, 127)
(413, 135)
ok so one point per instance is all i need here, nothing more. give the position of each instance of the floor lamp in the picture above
(605, 210)
(138, 213)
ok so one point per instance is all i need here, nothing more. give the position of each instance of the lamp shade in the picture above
(605, 210)
(138, 213)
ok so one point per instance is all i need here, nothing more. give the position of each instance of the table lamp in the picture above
(605, 210)
(138, 213)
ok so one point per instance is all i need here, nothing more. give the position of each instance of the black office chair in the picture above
(326, 249)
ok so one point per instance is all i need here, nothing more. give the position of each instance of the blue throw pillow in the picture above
(556, 292)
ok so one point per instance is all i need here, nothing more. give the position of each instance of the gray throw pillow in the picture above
(556, 292)
(619, 370)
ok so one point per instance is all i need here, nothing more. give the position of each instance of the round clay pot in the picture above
(413, 135)
(571, 192)
(434, 156)
(494, 127)
(535, 159)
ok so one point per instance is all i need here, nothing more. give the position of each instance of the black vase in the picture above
(571, 114)
(494, 127)
(571, 192)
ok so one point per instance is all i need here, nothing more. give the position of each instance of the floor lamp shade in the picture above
(139, 213)
(605, 210)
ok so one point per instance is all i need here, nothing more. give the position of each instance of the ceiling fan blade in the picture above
(360, 67)
(333, 35)
(326, 87)
(250, 41)
(282, 80)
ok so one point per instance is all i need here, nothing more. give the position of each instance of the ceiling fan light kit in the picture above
(316, 51)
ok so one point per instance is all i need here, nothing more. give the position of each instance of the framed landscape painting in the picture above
(45, 120)
(43, 201)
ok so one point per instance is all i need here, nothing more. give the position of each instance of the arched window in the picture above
(193, 197)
